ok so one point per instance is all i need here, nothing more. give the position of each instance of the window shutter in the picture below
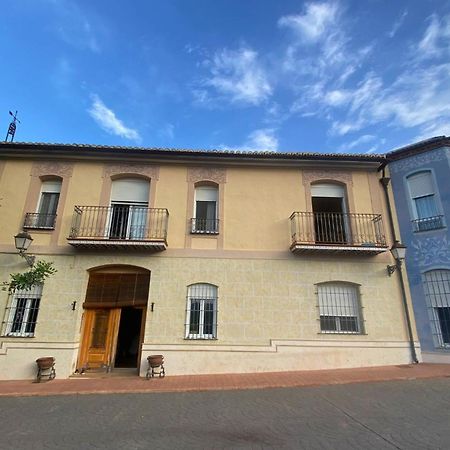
(327, 190)
(111, 290)
(51, 186)
(421, 185)
(206, 194)
(130, 191)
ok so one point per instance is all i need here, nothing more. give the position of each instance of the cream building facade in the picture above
(223, 262)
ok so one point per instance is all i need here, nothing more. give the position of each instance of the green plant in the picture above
(26, 280)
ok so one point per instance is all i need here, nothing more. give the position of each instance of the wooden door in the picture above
(99, 340)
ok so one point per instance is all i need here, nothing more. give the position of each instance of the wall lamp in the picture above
(398, 251)
(23, 241)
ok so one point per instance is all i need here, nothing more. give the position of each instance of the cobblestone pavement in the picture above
(398, 414)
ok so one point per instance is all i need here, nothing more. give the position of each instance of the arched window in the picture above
(339, 308)
(129, 208)
(45, 216)
(201, 311)
(331, 223)
(206, 210)
(424, 204)
(436, 284)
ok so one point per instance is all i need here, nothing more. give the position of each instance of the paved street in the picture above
(398, 414)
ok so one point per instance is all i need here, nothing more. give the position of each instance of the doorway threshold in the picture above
(101, 373)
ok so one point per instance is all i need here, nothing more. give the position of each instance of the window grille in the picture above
(21, 315)
(339, 309)
(436, 284)
(201, 312)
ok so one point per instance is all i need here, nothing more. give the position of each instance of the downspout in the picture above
(385, 183)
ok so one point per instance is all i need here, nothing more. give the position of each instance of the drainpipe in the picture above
(385, 183)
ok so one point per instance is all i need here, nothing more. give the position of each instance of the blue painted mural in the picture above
(421, 186)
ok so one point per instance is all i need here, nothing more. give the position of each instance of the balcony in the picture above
(204, 226)
(119, 227)
(39, 221)
(329, 232)
(428, 223)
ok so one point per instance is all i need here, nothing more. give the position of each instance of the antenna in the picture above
(12, 126)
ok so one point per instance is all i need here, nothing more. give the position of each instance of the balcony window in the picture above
(331, 225)
(45, 216)
(205, 219)
(129, 204)
(424, 202)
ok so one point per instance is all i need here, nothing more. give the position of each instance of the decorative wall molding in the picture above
(60, 169)
(431, 251)
(146, 170)
(214, 174)
(418, 161)
(310, 176)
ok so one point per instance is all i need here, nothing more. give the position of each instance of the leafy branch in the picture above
(26, 280)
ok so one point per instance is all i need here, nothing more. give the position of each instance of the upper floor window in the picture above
(45, 217)
(205, 218)
(201, 311)
(21, 316)
(129, 209)
(331, 225)
(424, 203)
(339, 308)
(436, 285)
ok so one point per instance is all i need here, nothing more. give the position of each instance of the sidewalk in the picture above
(189, 383)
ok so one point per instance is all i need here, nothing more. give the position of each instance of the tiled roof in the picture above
(418, 147)
(194, 152)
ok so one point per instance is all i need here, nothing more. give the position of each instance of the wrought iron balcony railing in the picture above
(337, 231)
(428, 223)
(119, 225)
(39, 221)
(204, 226)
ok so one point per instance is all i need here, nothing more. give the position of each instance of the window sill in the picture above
(205, 233)
(17, 336)
(36, 228)
(343, 333)
(200, 339)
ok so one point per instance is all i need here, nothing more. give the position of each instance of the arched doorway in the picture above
(114, 318)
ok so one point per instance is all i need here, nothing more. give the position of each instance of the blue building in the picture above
(420, 175)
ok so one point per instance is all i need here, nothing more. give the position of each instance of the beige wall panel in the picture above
(14, 185)
(258, 203)
(204, 243)
(171, 193)
(361, 193)
(84, 190)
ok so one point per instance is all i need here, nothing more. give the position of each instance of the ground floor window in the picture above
(21, 316)
(436, 285)
(201, 311)
(339, 308)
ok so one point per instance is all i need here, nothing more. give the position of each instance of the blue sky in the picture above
(324, 76)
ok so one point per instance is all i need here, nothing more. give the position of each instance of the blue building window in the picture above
(424, 202)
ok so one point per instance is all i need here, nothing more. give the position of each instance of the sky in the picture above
(337, 76)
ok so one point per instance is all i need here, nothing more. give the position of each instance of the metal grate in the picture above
(339, 308)
(21, 315)
(428, 223)
(436, 285)
(201, 312)
(321, 228)
(204, 226)
(39, 221)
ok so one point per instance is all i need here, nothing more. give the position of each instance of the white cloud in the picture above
(436, 39)
(359, 142)
(263, 139)
(397, 24)
(108, 121)
(314, 23)
(235, 76)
